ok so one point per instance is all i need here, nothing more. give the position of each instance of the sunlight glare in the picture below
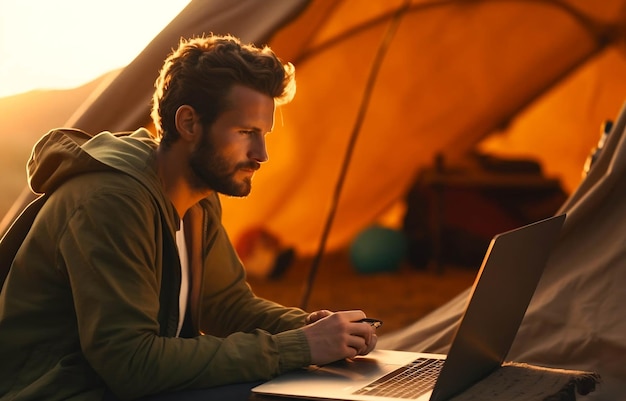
(59, 44)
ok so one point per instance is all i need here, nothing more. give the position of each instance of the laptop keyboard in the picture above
(409, 381)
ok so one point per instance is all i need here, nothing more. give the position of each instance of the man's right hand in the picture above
(339, 336)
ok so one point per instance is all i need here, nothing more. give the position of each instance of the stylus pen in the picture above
(372, 322)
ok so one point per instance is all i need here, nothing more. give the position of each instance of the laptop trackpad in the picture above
(355, 369)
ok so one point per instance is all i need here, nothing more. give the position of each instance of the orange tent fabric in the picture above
(538, 74)
(525, 78)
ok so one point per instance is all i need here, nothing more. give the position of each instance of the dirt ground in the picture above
(398, 298)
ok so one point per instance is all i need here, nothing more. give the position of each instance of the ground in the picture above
(398, 298)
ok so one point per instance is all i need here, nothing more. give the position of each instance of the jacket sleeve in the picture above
(111, 251)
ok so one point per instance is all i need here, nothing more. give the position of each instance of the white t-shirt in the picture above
(184, 281)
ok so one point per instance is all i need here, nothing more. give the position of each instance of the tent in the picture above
(384, 87)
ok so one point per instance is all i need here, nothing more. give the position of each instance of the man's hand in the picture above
(334, 336)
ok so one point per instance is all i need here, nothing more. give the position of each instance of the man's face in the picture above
(233, 148)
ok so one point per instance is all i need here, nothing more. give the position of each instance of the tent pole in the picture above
(378, 60)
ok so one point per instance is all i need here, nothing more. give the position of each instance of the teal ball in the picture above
(378, 249)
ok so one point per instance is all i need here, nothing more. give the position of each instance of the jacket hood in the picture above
(63, 153)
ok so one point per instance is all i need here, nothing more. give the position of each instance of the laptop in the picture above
(498, 300)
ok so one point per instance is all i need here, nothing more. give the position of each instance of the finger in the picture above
(317, 315)
(351, 315)
(371, 345)
(365, 348)
(357, 344)
(361, 329)
(365, 335)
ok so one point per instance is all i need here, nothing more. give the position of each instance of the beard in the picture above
(211, 170)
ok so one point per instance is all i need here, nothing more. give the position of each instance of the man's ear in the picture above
(186, 119)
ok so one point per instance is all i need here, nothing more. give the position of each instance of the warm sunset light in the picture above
(56, 44)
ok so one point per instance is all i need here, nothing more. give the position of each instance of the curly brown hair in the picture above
(201, 72)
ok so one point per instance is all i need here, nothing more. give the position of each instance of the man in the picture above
(127, 283)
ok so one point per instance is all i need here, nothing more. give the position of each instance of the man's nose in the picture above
(259, 151)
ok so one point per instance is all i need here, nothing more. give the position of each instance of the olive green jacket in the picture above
(91, 300)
